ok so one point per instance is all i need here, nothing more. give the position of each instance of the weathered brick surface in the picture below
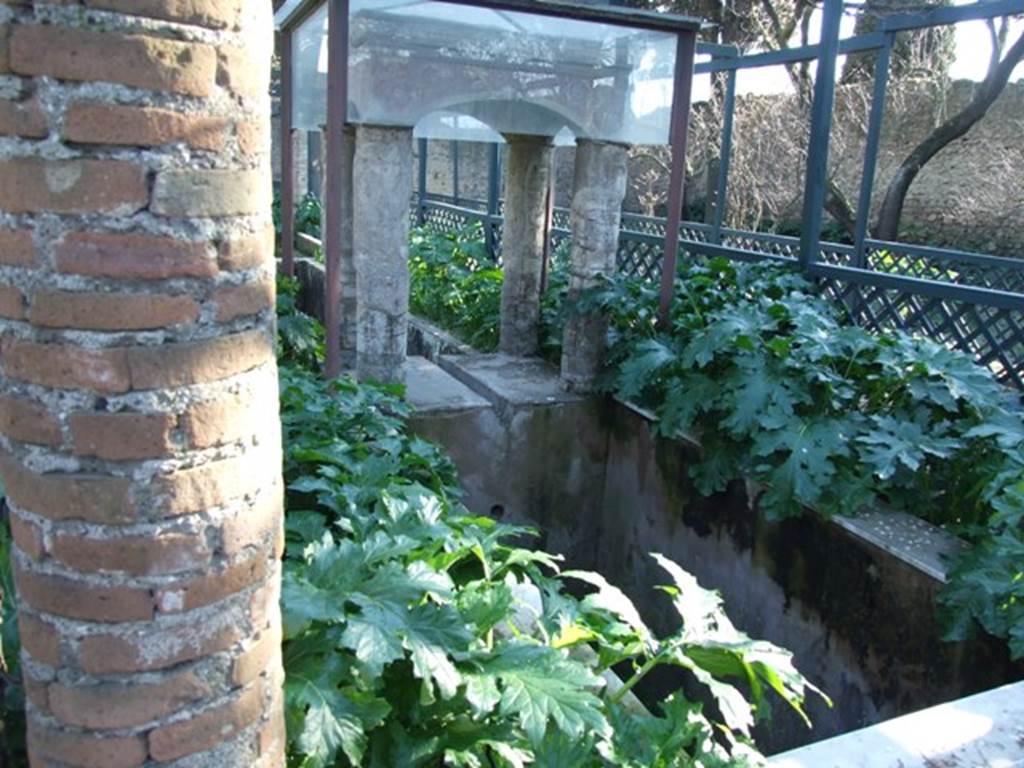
(143, 61)
(16, 248)
(40, 638)
(244, 299)
(132, 256)
(207, 729)
(215, 422)
(85, 750)
(175, 365)
(200, 192)
(111, 311)
(74, 599)
(28, 421)
(101, 499)
(93, 123)
(209, 13)
(141, 453)
(247, 252)
(122, 436)
(22, 118)
(137, 555)
(29, 185)
(120, 705)
(109, 654)
(27, 536)
(63, 366)
(12, 302)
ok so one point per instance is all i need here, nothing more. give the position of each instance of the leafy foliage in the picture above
(777, 386)
(300, 338)
(455, 284)
(418, 634)
(12, 696)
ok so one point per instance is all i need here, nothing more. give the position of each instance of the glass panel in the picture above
(309, 72)
(420, 63)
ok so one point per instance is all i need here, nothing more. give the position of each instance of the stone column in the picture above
(527, 175)
(599, 185)
(138, 401)
(349, 302)
(382, 181)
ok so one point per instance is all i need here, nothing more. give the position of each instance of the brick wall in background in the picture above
(138, 400)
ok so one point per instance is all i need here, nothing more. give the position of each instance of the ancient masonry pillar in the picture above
(382, 180)
(138, 399)
(599, 185)
(527, 176)
(347, 273)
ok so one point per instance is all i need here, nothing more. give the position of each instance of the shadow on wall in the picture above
(854, 600)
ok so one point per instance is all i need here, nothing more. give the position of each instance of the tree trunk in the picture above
(988, 91)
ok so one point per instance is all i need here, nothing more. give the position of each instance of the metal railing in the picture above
(968, 301)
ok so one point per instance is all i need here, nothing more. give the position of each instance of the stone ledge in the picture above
(986, 729)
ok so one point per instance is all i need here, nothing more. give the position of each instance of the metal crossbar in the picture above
(969, 301)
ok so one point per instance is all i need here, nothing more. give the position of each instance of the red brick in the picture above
(271, 738)
(65, 366)
(12, 303)
(153, 63)
(73, 599)
(41, 639)
(217, 422)
(118, 705)
(60, 496)
(217, 14)
(212, 587)
(213, 484)
(234, 301)
(28, 536)
(30, 185)
(144, 257)
(82, 750)
(209, 193)
(22, 118)
(253, 137)
(260, 655)
(122, 436)
(242, 72)
(112, 311)
(248, 252)
(142, 126)
(208, 729)
(175, 365)
(108, 654)
(252, 526)
(16, 248)
(35, 692)
(165, 553)
(28, 422)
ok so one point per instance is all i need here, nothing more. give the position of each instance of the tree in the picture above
(1001, 66)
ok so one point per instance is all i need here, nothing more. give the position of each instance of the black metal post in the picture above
(679, 127)
(287, 158)
(821, 124)
(867, 178)
(725, 156)
(421, 184)
(337, 115)
(493, 197)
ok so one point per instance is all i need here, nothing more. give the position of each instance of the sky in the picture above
(973, 48)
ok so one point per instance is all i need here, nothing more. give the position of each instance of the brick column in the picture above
(527, 177)
(599, 185)
(138, 401)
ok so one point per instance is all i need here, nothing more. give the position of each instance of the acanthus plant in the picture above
(417, 634)
(779, 387)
